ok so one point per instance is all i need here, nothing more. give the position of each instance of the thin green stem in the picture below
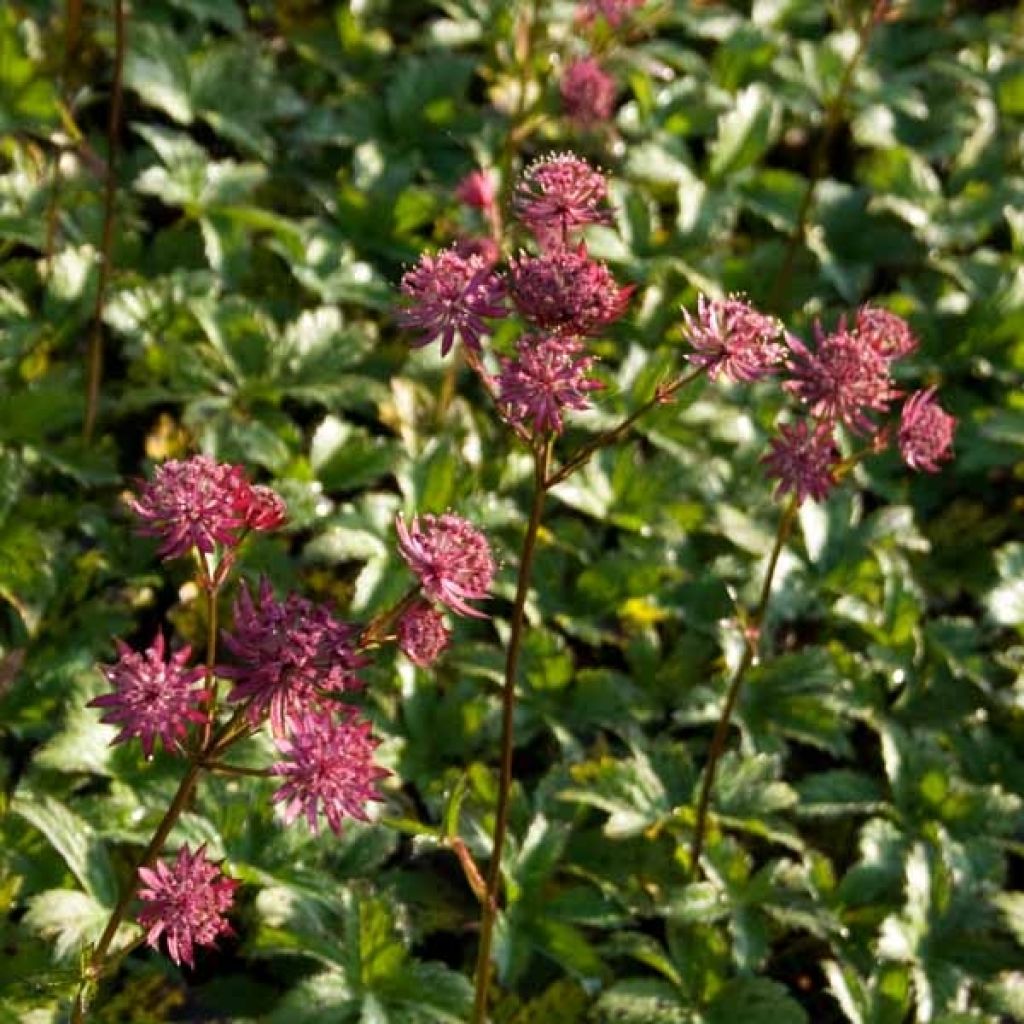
(211, 660)
(833, 117)
(94, 364)
(489, 913)
(662, 394)
(721, 734)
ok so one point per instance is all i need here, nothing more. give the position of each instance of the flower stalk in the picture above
(753, 626)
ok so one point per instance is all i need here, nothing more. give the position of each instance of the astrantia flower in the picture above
(288, 653)
(265, 509)
(803, 458)
(614, 12)
(193, 503)
(451, 558)
(422, 634)
(478, 189)
(888, 334)
(588, 91)
(479, 245)
(843, 380)
(327, 765)
(558, 193)
(565, 291)
(926, 432)
(731, 338)
(547, 376)
(185, 901)
(451, 296)
(154, 697)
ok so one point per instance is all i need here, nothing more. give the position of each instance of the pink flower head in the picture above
(614, 12)
(422, 634)
(547, 376)
(843, 380)
(451, 296)
(888, 334)
(265, 510)
(926, 432)
(588, 91)
(289, 653)
(731, 338)
(566, 292)
(328, 764)
(478, 189)
(185, 901)
(193, 503)
(154, 697)
(558, 193)
(803, 458)
(479, 245)
(451, 558)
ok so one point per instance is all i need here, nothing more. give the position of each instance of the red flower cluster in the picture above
(450, 557)
(588, 92)
(199, 503)
(422, 634)
(288, 653)
(184, 901)
(547, 376)
(154, 697)
(843, 381)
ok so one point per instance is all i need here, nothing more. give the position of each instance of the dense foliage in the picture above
(277, 168)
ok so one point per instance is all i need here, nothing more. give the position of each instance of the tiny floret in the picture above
(732, 339)
(842, 381)
(422, 634)
(327, 765)
(559, 193)
(193, 503)
(155, 697)
(588, 92)
(184, 901)
(451, 558)
(548, 376)
(451, 296)
(287, 654)
(564, 291)
(803, 458)
(926, 432)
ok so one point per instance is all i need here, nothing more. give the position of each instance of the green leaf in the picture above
(744, 133)
(755, 1001)
(69, 918)
(83, 852)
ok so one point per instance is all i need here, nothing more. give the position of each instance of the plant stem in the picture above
(211, 660)
(489, 914)
(94, 368)
(749, 654)
(661, 395)
(170, 818)
(833, 115)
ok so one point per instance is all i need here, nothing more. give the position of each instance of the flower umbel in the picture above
(193, 503)
(451, 295)
(559, 193)
(565, 291)
(154, 697)
(451, 558)
(478, 189)
(288, 653)
(926, 432)
(888, 334)
(265, 509)
(422, 634)
(328, 765)
(843, 380)
(803, 458)
(588, 91)
(184, 901)
(614, 12)
(547, 376)
(732, 339)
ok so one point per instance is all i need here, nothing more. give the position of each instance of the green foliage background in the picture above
(279, 165)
